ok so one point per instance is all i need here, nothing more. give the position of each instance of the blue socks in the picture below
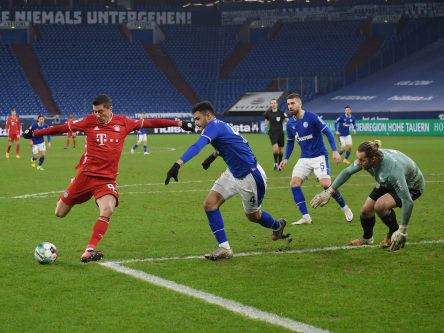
(340, 152)
(347, 154)
(299, 199)
(268, 221)
(339, 199)
(217, 225)
(42, 158)
(144, 148)
(135, 146)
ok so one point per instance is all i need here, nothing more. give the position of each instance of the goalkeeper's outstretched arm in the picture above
(323, 197)
(345, 175)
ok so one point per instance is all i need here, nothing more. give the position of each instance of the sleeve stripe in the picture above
(323, 127)
(209, 139)
(290, 139)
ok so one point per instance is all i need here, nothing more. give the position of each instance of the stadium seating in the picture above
(80, 62)
(15, 89)
(198, 52)
(303, 51)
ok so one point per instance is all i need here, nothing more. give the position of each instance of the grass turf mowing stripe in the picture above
(46, 194)
(234, 306)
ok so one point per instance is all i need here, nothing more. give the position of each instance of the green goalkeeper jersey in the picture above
(396, 172)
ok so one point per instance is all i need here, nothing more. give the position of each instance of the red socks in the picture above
(99, 231)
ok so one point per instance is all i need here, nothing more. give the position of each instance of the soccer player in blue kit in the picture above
(141, 136)
(244, 176)
(342, 126)
(307, 128)
(38, 143)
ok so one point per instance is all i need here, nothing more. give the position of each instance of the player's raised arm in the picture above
(60, 129)
(161, 123)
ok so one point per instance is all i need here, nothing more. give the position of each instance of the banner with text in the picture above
(397, 127)
(96, 17)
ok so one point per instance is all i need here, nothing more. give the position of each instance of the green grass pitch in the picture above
(359, 290)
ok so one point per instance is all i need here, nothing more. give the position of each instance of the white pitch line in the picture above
(245, 254)
(228, 304)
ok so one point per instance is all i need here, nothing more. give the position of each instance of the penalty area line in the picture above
(246, 254)
(225, 303)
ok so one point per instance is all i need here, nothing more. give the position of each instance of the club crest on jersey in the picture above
(117, 128)
(305, 124)
(278, 118)
(96, 128)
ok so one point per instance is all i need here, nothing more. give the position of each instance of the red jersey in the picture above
(104, 142)
(71, 119)
(13, 126)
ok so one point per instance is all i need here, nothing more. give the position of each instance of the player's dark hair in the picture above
(273, 99)
(40, 115)
(371, 149)
(103, 99)
(203, 107)
(294, 95)
(347, 107)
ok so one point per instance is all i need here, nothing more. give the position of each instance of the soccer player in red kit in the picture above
(69, 134)
(98, 167)
(13, 133)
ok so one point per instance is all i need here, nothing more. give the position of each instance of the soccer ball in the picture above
(45, 253)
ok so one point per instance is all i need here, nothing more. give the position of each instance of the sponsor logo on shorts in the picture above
(65, 195)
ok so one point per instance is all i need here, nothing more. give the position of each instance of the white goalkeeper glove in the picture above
(322, 198)
(399, 238)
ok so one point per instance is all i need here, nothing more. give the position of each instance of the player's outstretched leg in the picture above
(299, 199)
(390, 221)
(39, 166)
(91, 255)
(223, 250)
(279, 233)
(347, 155)
(267, 221)
(367, 224)
(341, 202)
(134, 148)
(219, 253)
(99, 231)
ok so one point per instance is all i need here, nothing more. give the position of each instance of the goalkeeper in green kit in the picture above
(400, 182)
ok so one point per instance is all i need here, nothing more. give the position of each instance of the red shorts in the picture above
(73, 134)
(14, 137)
(83, 187)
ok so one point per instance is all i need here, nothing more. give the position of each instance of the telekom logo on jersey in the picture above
(101, 139)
